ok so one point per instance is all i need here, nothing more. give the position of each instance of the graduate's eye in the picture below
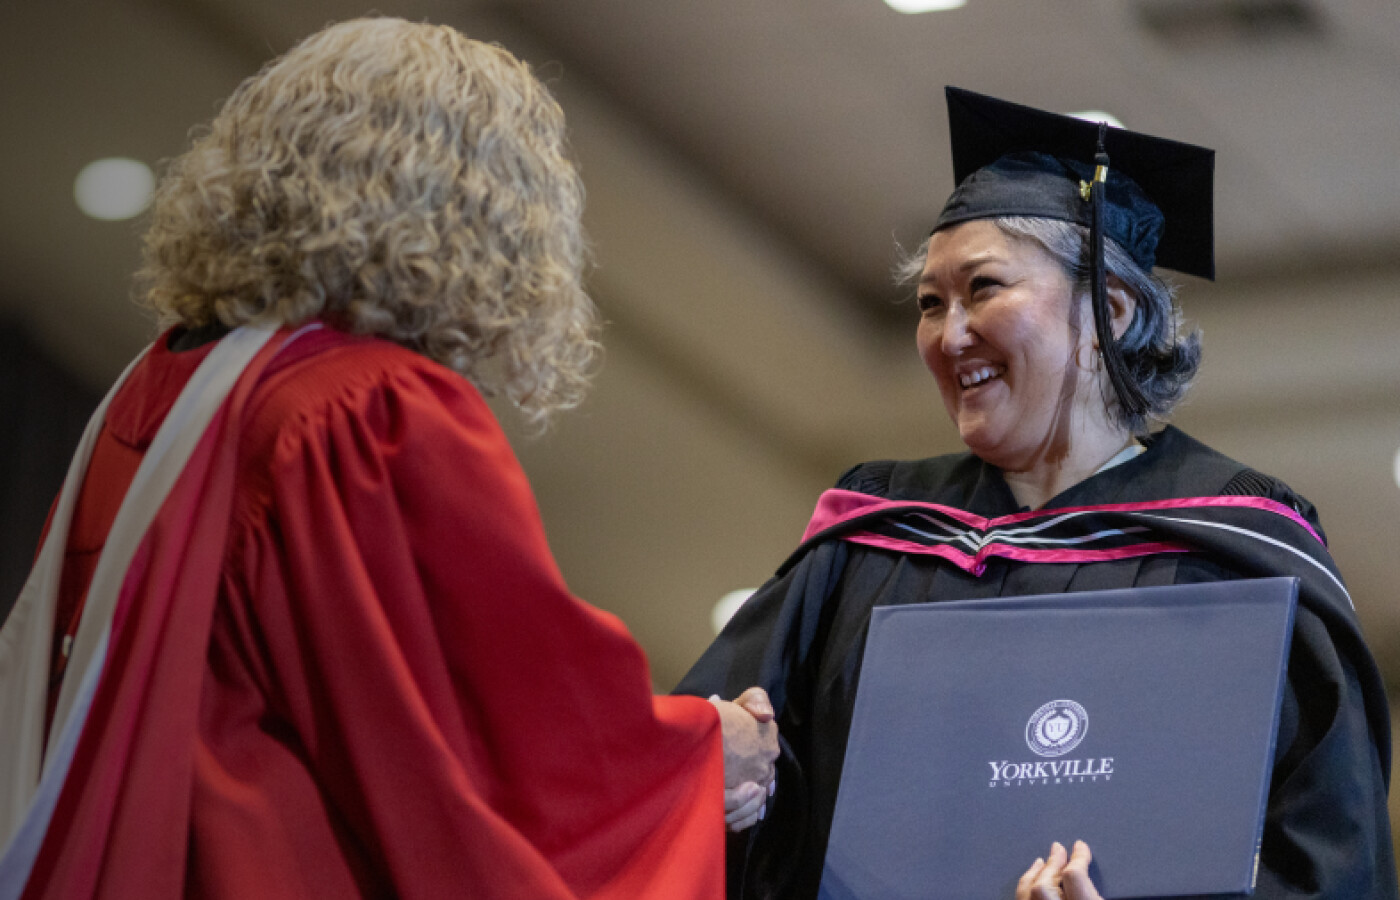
(930, 303)
(984, 284)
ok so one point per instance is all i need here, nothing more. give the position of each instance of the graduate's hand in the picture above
(1059, 876)
(750, 749)
(745, 805)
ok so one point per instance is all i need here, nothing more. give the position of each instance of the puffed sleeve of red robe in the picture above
(404, 699)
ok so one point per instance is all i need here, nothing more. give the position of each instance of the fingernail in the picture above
(1057, 846)
(1038, 862)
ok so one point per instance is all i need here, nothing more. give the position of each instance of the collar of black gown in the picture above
(1013, 160)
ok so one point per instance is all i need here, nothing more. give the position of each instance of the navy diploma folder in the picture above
(1141, 721)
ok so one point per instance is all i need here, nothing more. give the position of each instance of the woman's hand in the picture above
(1056, 878)
(750, 748)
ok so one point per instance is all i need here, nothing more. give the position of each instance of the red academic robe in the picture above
(390, 690)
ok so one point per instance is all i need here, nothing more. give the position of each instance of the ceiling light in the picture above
(1098, 115)
(113, 189)
(1397, 468)
(727, 606)
(920, 6)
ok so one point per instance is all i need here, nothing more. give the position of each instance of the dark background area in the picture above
(43, 410)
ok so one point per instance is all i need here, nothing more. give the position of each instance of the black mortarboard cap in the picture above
(1010, 159)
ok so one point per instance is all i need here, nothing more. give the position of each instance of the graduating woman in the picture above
(1054, 349)
(295, 630)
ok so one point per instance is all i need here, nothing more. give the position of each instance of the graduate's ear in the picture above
(1122, 304)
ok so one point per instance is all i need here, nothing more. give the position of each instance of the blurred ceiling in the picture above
(751, 167)
(825, 117)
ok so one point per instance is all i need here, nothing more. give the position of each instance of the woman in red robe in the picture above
(295, 630)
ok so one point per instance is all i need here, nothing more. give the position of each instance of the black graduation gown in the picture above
(801, 637)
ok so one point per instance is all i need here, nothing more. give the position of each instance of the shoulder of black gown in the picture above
(868, 477)
(1252, 483)
(1211, 473)
(959, 480)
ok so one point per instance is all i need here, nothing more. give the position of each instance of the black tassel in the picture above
(1130, 396)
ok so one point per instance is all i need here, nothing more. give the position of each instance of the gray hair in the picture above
(401, 180)
(1161, 358)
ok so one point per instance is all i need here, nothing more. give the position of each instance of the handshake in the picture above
(750, 750)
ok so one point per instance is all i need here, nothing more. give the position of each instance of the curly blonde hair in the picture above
(395, 179)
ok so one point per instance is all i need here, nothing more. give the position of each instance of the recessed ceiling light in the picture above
(727, 606)
(921, 6)
(1397, 468)
(1098, 115)
(114, 189)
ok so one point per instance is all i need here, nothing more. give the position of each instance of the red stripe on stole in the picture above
(977, 563)
(836, 506)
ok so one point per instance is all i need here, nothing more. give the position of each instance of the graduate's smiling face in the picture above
(997, 333)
